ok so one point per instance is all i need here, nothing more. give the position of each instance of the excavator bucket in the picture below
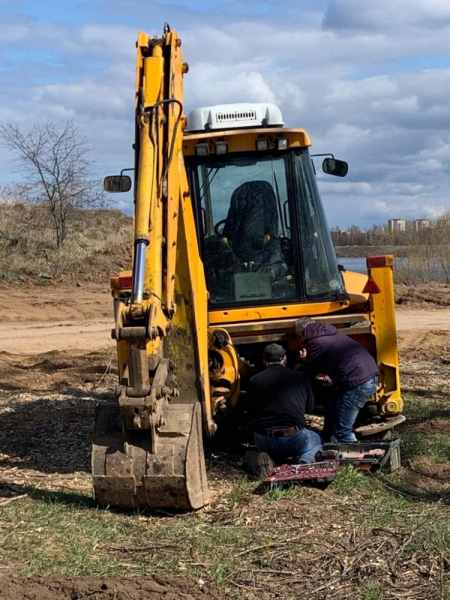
(126, 473)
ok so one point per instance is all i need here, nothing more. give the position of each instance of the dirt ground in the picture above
(78, 318)
(111, 588)
(58, 361)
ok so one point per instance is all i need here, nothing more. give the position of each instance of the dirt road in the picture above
(37, 320)
(40, 337)
(90, 335)
(420, 318)
(34, 319)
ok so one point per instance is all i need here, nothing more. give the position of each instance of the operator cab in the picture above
(262, 229)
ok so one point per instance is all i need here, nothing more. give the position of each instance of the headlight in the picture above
(202, 149)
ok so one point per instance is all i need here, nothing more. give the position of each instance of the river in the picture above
(354, 263)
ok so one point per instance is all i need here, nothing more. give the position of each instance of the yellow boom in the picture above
(148, 449)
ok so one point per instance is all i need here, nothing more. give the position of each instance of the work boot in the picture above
(264, 465)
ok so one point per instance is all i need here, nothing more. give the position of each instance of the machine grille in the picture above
(248, 115)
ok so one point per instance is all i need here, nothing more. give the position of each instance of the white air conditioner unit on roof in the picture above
(234, 116)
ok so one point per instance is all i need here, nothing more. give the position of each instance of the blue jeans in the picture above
(340, 418)
(303, 445)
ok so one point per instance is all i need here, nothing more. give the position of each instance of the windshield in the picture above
(320, 268)
(263, 234)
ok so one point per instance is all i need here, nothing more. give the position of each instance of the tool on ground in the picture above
(319, 472)
(366, 456)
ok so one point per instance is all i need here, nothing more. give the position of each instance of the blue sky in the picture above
(370, 81)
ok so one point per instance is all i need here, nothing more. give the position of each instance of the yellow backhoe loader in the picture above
(231, 246)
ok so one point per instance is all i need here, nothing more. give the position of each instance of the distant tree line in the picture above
(437, 232)
(422, 255)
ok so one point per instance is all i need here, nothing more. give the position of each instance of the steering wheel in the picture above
(217, 225)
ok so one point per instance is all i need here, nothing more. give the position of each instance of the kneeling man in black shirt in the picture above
(280, 397)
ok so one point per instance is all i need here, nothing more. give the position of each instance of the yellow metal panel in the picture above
(354, 284)
(384, 329)
(175, 124)
(192, 298)
(142, 43)
(145, 189)
(257, 313)
(245, 140)
(153, 77)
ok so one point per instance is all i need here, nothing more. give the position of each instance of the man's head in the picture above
(274, 354)
(300, 326)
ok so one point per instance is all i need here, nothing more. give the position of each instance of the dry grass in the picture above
(98, 243)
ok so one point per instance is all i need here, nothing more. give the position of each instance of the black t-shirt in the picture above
(280, 397)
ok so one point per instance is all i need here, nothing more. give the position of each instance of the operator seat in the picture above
(252, 215)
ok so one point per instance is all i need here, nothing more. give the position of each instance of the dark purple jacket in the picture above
(333, 353)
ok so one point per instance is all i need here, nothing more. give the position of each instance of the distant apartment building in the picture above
(421, 224)
(443, 222)
(397, 225)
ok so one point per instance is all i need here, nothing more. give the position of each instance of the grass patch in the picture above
(429, 537)
(245, 541)
(371, 591)
(72, 537)
(240, 493)
(419, 410)
(426, 443)
(276, 493)
(350, 479)
(57, 537)
(435, 446)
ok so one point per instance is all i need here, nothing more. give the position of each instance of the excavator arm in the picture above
(148, 449)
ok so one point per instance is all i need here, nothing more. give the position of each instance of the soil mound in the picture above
(423, 296)
(97, 246)
(111, 588)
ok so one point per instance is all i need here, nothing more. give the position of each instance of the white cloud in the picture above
(382, 207)
(354, 14)
(244, 86)
(434, 211)
(13, 34)
(111, 42)
(85, 98)
(345, 70)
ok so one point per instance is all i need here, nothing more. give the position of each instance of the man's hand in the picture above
(325, 380)
(302, 353)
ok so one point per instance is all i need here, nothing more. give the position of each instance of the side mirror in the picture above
(333, 166)
(117, 183)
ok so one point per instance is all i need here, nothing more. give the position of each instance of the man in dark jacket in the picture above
(349, 369)
(279, 397)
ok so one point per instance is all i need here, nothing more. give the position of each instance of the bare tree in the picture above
(55, 160)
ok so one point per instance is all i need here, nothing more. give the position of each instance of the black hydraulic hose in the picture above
(175, 130)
